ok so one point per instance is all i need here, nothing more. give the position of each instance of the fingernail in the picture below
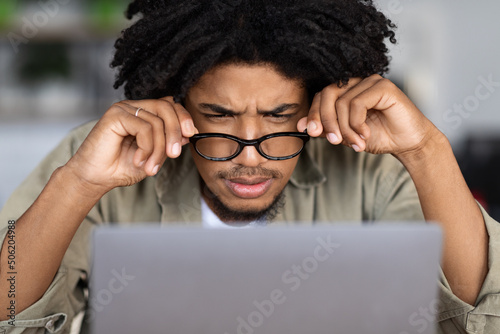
(355, 148)
(142, 163)
(332, 138)
(176, 149)
(189, 126)
(312, 126)
(156, 169)
(362, 137)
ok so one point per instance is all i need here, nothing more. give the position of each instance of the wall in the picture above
(449, 60)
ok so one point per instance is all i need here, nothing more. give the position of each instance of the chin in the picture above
(244, 210)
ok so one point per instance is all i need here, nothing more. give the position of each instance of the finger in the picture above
(155, 107)
(302, 124)
(329, 114)
(363, 98)
(142, 130)
(352, 111)
(351, 137)
(164, 110)
(314, 127)
(173, 131)
(185, 120)
(158, 155)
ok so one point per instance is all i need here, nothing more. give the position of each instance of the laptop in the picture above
(338, 279)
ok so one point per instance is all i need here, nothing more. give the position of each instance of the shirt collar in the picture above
(307, 173)
(178, 190)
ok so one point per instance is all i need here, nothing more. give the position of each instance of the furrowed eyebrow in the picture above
(224, 111)
(282, 108)
(218, 109)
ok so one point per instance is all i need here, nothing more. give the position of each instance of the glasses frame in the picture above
(252, 142)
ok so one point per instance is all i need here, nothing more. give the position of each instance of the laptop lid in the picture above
(340, 279)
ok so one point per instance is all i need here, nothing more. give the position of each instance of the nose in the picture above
(249, 157)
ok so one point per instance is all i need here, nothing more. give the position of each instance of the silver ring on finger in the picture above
(137, 112)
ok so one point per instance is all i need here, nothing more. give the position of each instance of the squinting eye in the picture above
(216, 116)
(282, 116)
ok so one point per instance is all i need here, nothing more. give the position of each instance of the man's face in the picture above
(246, 101)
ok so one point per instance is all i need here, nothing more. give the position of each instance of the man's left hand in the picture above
(371, 115)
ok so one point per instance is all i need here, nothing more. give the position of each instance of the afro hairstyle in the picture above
(319, 42)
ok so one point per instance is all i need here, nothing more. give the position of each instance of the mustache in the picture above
(242, 171)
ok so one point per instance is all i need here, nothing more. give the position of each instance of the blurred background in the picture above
(55, 75)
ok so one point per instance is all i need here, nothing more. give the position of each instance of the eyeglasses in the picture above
(275, 146)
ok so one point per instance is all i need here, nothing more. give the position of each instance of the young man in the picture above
(241, 83)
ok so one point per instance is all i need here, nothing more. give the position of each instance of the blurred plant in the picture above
(42, 62)
(7, 12)
(107, 14)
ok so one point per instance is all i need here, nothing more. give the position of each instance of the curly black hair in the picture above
(319, 42)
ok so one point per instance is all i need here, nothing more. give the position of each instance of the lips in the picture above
(248, 187)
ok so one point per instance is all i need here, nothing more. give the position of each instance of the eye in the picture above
(280, 117)
(216, 116)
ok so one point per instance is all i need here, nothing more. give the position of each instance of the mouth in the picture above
(248, 188)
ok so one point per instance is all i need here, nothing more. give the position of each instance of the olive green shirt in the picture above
(330, 184)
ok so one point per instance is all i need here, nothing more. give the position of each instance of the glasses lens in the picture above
(215, 147)
(284, 146)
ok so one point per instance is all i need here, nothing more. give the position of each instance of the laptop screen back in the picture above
(363, 279)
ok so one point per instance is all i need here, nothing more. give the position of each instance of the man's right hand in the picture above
(123, 149)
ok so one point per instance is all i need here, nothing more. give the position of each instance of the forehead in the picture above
(241, 86)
